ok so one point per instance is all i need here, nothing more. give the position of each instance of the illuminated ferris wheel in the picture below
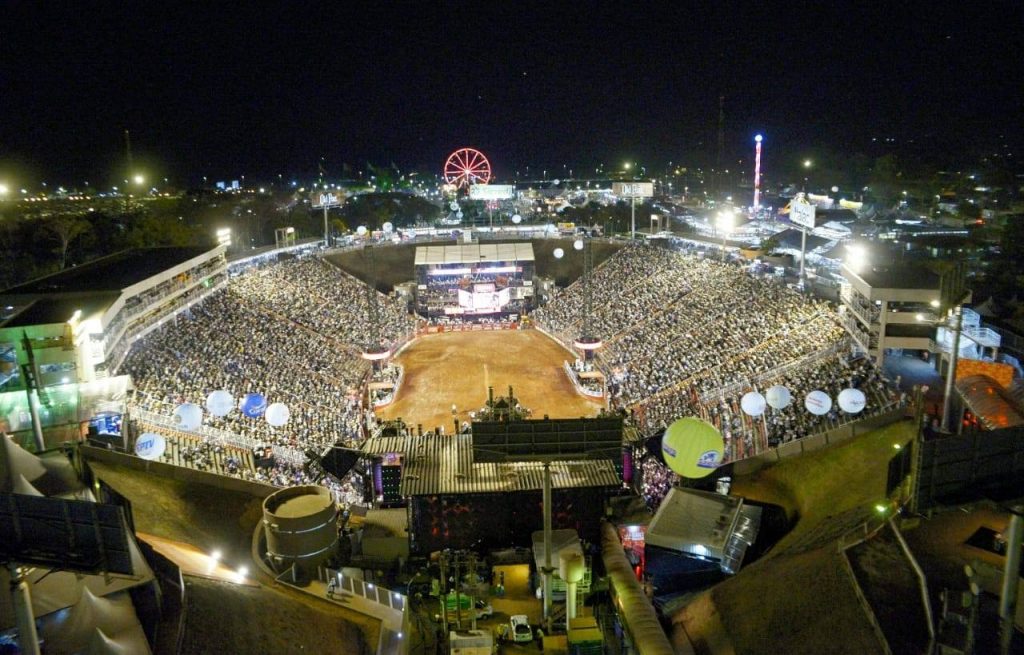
(467, 166)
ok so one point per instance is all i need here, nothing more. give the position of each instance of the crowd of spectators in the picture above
(291, 331)
(687, 335)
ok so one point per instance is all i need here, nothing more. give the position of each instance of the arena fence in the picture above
(469, 327)
(571, 374)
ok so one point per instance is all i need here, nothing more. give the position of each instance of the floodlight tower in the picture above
(375, 351)
(757, 172)
(587, 342)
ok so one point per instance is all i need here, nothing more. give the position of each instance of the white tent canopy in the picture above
(113, 617)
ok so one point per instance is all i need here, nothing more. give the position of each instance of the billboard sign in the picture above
(802, 213)
(633, 189)
(326, 200)
(491, 191)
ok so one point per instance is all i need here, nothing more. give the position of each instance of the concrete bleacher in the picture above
(179, 444)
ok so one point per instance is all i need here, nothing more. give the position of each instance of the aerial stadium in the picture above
(474, 429)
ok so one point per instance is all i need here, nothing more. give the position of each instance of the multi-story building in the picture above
(894, 308)
(75, 327)
(881, 307)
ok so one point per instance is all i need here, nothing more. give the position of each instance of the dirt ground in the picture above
(229, 618)
(226, 617)
(457, 367)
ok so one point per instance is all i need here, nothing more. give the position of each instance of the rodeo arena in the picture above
(473, 456)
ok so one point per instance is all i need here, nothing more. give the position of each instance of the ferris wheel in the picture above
(467, 166)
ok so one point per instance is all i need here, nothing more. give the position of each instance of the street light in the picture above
(726, 220)
(4, 190)
(224, 237)
(139, 180)
(856, 257)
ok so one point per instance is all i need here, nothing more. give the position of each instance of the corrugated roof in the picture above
(443, 464)
(474, 253)
(993, 405)
(690, 517)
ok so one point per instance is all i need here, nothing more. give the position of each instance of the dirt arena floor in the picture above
(457, 367)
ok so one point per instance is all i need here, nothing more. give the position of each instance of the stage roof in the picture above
(474, 253)
(443, 464)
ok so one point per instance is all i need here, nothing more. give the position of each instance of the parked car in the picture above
(483, 610)
(520, 628)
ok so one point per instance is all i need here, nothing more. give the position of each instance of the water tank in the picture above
(300, 524)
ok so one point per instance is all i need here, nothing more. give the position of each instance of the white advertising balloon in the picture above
(277, 414)
(387, 227)
(150, 446)
(454, 205)
(852, 401)
(220, 402)
(361, 230)
(188, 416)
(778, 397)
(818, 402)
(517, 219)
(559, 253)
(753, 403)
(578, 244)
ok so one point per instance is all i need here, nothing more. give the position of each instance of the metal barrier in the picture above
(293, 456)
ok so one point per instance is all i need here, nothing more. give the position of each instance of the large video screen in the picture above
(483, 299)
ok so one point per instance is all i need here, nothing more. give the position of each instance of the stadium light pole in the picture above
(726, 220)
(955, 321)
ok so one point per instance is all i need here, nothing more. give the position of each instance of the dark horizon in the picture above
(265, 92)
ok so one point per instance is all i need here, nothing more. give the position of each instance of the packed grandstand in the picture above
(683, 334)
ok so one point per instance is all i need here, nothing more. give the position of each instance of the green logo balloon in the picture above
(692, 448)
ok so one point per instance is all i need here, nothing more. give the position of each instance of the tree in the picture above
(65, 229)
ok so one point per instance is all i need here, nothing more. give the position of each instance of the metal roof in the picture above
(993, 405)
(443, 464)
(474, 253)
(694, 521)
(111, 273)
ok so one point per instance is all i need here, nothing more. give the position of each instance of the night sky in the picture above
(263, 90)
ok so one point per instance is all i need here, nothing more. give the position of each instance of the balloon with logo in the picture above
(753, 403)
(388, 227)
(277, 414)
(220, 402)
(818, 402)
(150, 446)
(692, 448)
(778, 397)
(188, 416)
(852, 401)
(253, 405)
(361, 230)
